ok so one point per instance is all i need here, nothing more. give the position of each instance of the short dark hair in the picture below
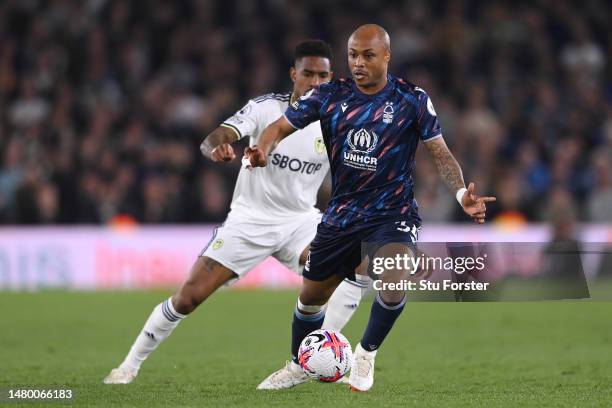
(312, 48)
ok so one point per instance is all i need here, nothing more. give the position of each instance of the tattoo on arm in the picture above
(448, 168)
(217, 137)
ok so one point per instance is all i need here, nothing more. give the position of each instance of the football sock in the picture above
(159, 326)
(302, 325)
(344, 302)
(382, 318)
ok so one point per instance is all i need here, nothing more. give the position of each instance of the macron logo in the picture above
(344, 106)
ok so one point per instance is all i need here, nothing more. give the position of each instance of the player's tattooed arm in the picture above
(217, 147)
(472, 204)
(447, 165)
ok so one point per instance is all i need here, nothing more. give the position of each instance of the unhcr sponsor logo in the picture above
(361, 144)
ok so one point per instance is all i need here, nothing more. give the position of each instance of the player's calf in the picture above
(306, 319)
(205, 278)
(387, 307)
(345, 300)
(309, 312)
(308, 316)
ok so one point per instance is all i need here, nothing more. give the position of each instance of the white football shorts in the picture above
(243, 241)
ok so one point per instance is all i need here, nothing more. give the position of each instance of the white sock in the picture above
(159, 326)
(344, 301)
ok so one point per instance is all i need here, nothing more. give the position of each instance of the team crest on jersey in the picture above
(361, 144)
(217, 244)
(388, 112)
(319, 145)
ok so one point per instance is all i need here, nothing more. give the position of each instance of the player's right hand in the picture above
(223, 152)
(256, 156)
(475, 205)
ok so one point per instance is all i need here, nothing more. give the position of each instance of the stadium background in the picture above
(103, 104)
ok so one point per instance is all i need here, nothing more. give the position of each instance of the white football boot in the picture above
(362, 372)
(288, 376)
(120, 375)
(343, 380)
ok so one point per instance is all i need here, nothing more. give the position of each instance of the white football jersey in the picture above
(296, 167)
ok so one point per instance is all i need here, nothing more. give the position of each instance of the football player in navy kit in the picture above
(371, 125)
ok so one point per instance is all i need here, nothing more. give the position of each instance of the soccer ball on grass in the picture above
(325, 355)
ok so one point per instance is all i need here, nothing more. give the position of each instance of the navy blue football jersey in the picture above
(371, 142)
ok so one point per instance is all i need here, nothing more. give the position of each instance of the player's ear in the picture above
(331, 75)
(388, 56)
(292, 74)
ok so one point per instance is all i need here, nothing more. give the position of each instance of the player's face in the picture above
(368, 59)
(308, 73)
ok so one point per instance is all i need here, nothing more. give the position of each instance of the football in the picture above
(325, 355)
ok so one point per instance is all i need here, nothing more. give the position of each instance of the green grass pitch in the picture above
(439, 354)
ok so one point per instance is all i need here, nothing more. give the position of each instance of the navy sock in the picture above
(302, 325)
(382, 319)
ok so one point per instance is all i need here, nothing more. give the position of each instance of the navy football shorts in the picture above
(338, 251)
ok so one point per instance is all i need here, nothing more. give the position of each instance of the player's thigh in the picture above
(392, 245)
(240, 245)
(396, 272)
(333, 251)
(296, 238)
(317, 293)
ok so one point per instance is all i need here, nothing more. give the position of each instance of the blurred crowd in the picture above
(103, 104)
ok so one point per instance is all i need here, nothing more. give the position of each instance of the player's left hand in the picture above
(256, 156)
(475, 205)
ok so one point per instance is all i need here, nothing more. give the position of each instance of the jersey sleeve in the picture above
(305, 110)
(244, 122)
(427, 122)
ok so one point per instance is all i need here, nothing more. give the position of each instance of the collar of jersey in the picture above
(369, 96)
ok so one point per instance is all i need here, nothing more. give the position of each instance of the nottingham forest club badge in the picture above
(388, 113)
(319, 145)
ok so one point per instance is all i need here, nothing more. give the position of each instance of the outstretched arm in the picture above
(447, 165)
(217, 147)
(270, 137)
(450, 172)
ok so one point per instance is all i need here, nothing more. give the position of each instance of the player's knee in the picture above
(187, 299)
(184, 304)
(312, 298)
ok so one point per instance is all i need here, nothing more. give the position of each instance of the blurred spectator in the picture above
(561, 261)
(511, 204)
(103, 103)
(29, 108)
(599, 205)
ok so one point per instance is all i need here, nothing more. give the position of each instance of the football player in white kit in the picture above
(272, 211)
